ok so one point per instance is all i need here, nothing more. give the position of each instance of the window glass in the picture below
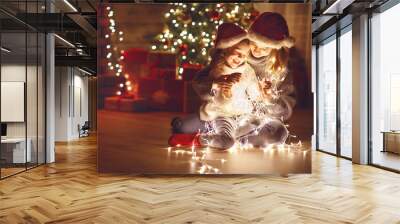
(385, 89)
(327, 96)
(346, 94)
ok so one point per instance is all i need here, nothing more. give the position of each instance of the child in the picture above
(235, 99)
(233, 86)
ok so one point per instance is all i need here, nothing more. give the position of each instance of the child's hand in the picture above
(228, 80)
(225, 83)
(226, 92)
(266, 86)
(266, 90)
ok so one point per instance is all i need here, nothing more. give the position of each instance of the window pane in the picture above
(41, 98)
(385, 84)
(31, 97)
(346, 94)
(327, 97)
(15, 150)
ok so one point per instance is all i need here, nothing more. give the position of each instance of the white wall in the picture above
(80, 102)
(61, 103)
(16, 73)
(71, 102)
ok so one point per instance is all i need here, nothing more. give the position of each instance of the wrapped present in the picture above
(162, 60)
(109, 80)
(190, 71)
(111, 103)
(148, 86)
(169, 97)
(107, 86)
(133, 105)
(162, 95)
(136, 56)
(136, 70)
(163, 73)
(140, 105)
(136, 62)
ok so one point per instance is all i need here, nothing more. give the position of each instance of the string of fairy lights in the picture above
(190, 30)
(201, 159)
(115, 55)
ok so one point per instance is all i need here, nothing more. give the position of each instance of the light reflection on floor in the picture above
(287, 158)
(137, 143)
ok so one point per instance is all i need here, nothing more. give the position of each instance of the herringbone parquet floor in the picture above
(71, 191)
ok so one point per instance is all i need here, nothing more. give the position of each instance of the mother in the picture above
(270, 40)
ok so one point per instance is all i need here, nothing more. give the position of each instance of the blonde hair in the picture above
(218, 55)
(277, 63)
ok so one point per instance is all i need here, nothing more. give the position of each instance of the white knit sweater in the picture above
(243, 93)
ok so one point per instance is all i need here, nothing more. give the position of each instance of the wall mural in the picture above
(189, 88)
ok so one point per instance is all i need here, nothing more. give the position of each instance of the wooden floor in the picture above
(71, 191)
(137, 143)
(386, 159)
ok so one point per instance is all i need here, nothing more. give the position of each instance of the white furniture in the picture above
(15, 148)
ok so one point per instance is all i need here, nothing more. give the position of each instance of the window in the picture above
(326, 88)
(346, 93)
(385, 89)
(333, 106)
(22, 77)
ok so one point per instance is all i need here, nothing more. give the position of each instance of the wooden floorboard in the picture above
(137, 143)
(71, 191)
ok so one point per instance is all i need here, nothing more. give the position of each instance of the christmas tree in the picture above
(190, 29)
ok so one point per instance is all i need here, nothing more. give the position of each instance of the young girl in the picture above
(236, 99)
(233, 87)
(229, 103)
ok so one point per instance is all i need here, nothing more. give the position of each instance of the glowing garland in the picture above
(115, 56)
(260, 113)
(199, 156)
(190, 39)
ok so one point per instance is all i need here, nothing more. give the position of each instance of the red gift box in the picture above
(136, 56)
(162, 60)
(190, 71)
(136, 62)
(108, 86)
(163, 73)
(165, 95)
(111, 103)
(148, 86)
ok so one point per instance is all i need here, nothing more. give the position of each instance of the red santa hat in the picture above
(229, 34)
(270, 30)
